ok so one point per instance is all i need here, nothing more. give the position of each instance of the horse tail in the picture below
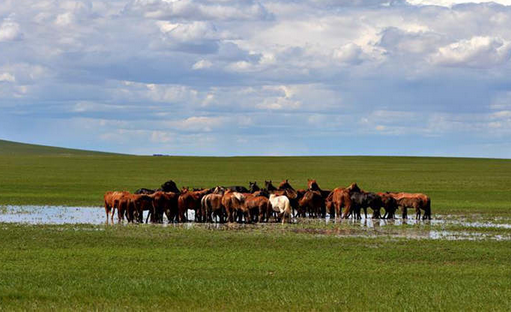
(287, 207)
(427, 209)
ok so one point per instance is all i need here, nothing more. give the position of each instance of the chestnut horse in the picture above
(341, 198)
(134, 205)
(258, 205)
(417, 201)
(234, 203)
(112, 203)
(211, 206)
(190, 200)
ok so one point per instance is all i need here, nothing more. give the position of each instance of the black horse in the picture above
(362, 200)
(169, 186)
(237, 188)
(253, 187)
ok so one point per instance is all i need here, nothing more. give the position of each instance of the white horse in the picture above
(281, 205)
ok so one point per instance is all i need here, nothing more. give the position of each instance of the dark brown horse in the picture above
(313, 186)
(389, 204)
(165, 203)
(313, 203)
(253, 187)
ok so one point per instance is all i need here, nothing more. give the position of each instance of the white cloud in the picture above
(478, 51)
(9, 30)
(198, 124)
(7, 77)
(202, 64)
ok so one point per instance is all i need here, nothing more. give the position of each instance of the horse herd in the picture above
(237, 203)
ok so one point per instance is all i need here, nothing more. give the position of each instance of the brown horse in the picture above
(417, 201)
(313, 203)
(313, 186)
(341, 198)
(389, 204)
(190, 200)
(165, 203)
(211, 206)
(112, 202)
(258, 205)
(134, 206)
(234, 203)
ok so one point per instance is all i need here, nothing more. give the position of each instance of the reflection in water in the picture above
(366, 227)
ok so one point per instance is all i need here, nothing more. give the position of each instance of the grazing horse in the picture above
(165, 203)
(281, 205)
(417, 201)
(111, 203)
(234, 203)
(253, 187)
(362, 200)
(190, 200)
(313, 203)
(389, 204)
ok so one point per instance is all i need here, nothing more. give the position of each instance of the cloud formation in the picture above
(222, 77)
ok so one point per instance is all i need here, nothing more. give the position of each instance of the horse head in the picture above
(170, 186)
(312, 185)
(253, 187)
(284, 185)
(269, 186)
(353, 188)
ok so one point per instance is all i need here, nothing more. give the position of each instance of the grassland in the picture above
(268, 267)
(149, 267)
(52, 176)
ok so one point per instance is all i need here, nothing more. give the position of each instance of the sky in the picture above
(228, 77)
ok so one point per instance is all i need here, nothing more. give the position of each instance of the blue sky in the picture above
(331, 77)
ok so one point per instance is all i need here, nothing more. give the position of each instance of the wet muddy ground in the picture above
(446, 227)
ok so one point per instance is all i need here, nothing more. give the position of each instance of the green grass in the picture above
(150, 267)
(304, 266)
(52, 176)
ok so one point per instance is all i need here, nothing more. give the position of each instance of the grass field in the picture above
(55, 176)
(309, 266)
(150, 267)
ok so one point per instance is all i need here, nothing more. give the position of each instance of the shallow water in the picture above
(367, 227)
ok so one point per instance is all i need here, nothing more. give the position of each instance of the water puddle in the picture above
(367, 227)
